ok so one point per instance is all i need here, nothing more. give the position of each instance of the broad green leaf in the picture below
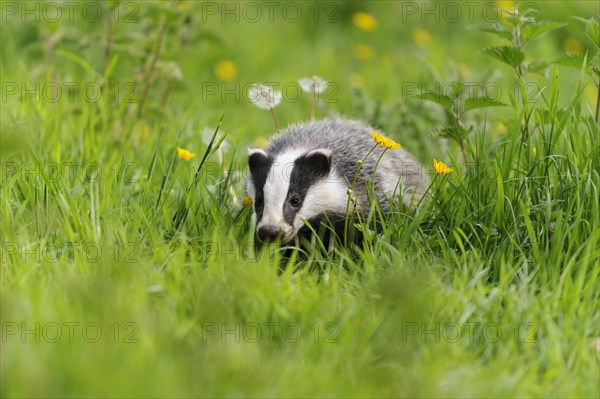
(536, 30)
(507, 54)
(592, 29)
(481, 102)
(458, 87)
(570, 59)
(436, 97)
(495, 29)
(595, 64)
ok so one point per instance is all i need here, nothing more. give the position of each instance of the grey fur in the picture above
(349, 142)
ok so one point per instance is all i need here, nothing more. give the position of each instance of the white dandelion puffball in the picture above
(264, 97)
(313, 84)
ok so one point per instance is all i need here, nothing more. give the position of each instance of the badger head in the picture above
(289, 188)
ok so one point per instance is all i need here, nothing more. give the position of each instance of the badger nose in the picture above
(268, 233)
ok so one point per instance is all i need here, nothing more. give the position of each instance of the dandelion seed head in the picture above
(313, 84)
(264, 97)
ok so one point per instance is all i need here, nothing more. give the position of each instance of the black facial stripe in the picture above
(304, 175)
(259, 171)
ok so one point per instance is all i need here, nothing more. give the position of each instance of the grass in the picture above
(128, 272)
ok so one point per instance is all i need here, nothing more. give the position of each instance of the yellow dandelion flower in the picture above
(441, 168)
(183, 6)
(226, 70)
(534, 150)
(573, 46)
(507, 5)
(501, 128)
(421, 37)
(247, 201)
(185, 154)
(384, 141)
(364, 21)
(363, 52)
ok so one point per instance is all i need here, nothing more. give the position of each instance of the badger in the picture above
(308, 172)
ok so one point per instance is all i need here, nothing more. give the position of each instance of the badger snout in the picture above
(268, 233)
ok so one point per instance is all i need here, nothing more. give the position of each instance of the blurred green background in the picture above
(212, 52)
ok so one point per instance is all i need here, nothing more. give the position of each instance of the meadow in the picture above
(127, 265)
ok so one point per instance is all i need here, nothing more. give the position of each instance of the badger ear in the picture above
(257, 159)
(320, 160)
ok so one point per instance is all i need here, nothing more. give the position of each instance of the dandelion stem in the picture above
(274, 119)
(377, 163)
(312, 106)
(426, 191)
(360, 166)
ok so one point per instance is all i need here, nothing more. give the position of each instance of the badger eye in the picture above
(295, 201)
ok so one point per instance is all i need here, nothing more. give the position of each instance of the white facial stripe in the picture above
(276, 189)
(326, 195)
